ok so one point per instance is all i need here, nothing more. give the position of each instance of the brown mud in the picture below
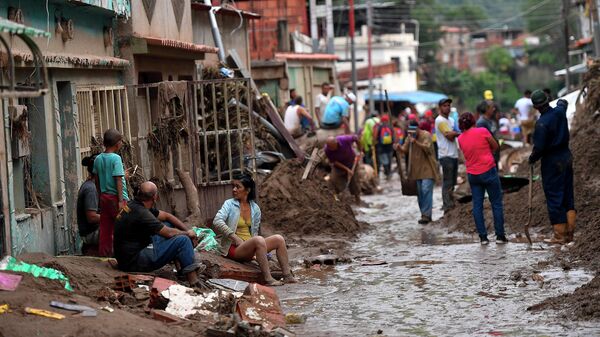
(88, 277)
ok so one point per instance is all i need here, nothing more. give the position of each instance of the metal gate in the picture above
(223, 130)
(217, 134)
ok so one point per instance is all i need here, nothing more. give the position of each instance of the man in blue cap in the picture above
(551, 145)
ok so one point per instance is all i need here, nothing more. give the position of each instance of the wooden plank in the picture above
(313, 157)
(127, 120)
(267, 105)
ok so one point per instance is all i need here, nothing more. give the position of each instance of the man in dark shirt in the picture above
(88, 218)
(140, 224)
(551, 145)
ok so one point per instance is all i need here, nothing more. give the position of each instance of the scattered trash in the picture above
(141, 294)
(143, 286)
(109, 295)
(206, 240)
(328, 259)
(12, 264)
(129, 282)
(44, 313)
(294, 318)
(4, 308)
(163, 316)
(234, 285)
(260, 305)
(84, 310)
(372, 262)
(107, 308)
(9, 282)
(162, 284)
(184, 301)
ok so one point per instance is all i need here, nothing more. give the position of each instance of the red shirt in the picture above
(478, 155)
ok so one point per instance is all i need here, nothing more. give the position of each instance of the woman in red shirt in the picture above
(478, 146)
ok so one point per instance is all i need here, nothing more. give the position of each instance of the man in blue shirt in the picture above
(551, 145)
(337, 112)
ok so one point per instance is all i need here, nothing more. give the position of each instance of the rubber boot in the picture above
(560, 231)
(571, 223)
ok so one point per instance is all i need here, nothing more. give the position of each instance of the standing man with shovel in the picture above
(343, 161)
(551, 145)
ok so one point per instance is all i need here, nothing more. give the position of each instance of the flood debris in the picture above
(9, 282)
(295, 318)
(82, 309)
(44, 313)
(325, 259)
(259, 305)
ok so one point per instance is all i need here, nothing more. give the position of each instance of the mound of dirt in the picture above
(583, 304)
(297, 208)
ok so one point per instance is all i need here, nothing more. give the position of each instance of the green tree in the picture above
(465, 15)
(498, 60)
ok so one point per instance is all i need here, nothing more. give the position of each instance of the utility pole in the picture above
(370, 52)
(351, 24)
(566, 32)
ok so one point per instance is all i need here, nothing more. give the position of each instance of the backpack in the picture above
(386, 134)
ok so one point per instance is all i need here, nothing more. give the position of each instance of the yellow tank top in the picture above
(243, 229)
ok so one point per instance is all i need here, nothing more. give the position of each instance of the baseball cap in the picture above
(444, 100)
(385, 118)
(351, 97)
(488, 94)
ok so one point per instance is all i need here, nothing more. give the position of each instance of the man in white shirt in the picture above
(293, 116)
(447, 152)
(322, 100)
(523, 107)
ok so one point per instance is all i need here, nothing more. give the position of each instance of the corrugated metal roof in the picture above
(7, 26)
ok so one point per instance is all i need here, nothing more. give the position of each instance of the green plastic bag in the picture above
(207, 240)
(10, 263)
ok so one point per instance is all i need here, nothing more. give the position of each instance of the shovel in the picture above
(349, 179)
(530, 211)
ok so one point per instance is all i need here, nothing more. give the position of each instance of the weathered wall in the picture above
(231, 37)
(88, 33)
(163, 23)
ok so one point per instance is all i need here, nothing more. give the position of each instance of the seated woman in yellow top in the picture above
(237, 224)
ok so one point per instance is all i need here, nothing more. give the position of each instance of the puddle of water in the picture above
(432, 284)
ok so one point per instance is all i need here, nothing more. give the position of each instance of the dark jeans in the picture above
(385, 154)
(557, 180)
(425, 196)
(490, 182)
(449, 172)
(333, 126)
(165, 250)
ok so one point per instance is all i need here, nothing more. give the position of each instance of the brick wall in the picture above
(263, 32)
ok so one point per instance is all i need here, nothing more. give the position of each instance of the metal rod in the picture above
(370, 52)
(250, 124)
(215, 31)
(217, 145)
(352, 23)
(229, 162)
(205, 147)
(239, 122)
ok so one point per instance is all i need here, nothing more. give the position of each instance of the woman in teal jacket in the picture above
(237, 224)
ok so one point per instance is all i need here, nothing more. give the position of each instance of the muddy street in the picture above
(432, 283)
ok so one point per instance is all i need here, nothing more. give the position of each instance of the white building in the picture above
(394, 59)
